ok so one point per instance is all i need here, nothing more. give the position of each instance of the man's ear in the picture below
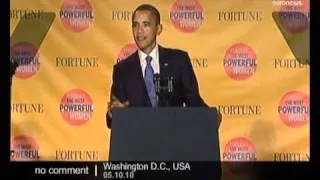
(159, 29)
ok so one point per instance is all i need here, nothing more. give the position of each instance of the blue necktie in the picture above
(148, 79)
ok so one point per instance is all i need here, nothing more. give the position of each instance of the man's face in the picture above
(145, 30)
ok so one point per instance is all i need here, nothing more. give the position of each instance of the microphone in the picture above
(170, 84)
(156, 80)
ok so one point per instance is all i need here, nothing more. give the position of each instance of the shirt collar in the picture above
(153, 54)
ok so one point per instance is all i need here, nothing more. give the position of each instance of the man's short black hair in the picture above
(150, 8)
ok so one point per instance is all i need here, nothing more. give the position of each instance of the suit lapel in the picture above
(163, 62)
(140, 86)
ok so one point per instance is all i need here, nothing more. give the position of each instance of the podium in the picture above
(164, 134)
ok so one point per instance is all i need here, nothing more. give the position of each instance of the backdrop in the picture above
(251, 63)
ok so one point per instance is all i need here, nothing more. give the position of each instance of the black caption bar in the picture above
(155, 169)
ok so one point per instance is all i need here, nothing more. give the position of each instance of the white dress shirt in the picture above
(155, 60)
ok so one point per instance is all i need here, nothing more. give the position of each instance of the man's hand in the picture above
(115, 103)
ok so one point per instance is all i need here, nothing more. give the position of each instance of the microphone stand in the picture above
(164, 90)
(156, 80)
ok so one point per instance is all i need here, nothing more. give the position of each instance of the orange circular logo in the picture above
(127, 51)
(76, 15)
(295, 18)
(240, 62)
(294, 109)
(187, 15)
(238, 151)
(76, 107)
(27, 57)
(24, 148)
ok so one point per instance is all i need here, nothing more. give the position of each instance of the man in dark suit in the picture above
(133, 83)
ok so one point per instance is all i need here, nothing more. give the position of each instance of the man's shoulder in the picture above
(126, 61)
(173, 51)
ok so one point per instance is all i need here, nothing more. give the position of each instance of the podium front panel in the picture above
(164, 134)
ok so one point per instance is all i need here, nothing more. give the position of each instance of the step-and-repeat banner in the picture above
(250, 58)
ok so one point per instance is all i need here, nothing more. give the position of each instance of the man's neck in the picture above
(149, 49)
